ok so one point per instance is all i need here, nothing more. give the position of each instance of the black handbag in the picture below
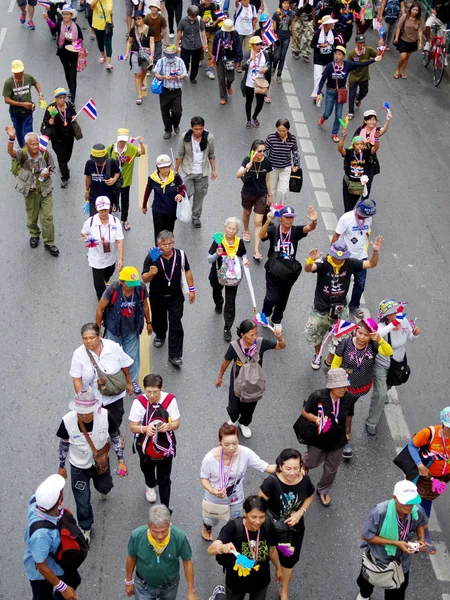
(296, 181)
(283, 267)
(405, 461)
(109, 27)
(305, 430)
(399, 371)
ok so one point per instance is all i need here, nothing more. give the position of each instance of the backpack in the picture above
(250, 383)
(73, 548)
(161, 445)
(16, 166)
(224, 559)
(111, 314)
(392, 11)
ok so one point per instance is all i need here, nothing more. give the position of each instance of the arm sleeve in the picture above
(63, 452)
(39, 545)
(267, 486)
(185, 550)
(414, 452)
(147, 264)
(132, 547)
(386, 329)
(295, 152)
(186, 263)
(324, 77)
(62, 432)
(351, 66)
(230, 354)
(116, 441)
(384, 348)
(371, 525)
(148, 191)
(310, 489)
(337, 362)
(311, 403)
(76, 366)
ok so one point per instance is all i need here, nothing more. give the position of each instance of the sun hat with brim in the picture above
(163, 160)
(366, 208)
(60, 91)
(388, 307)
(155, 3)
(255, 40)
(406, 492)
(445, 416)
(48, 492)
(328, 20)
(17, 66)
(67, 8)
(337, 378)
(102, 203)
(341, 49)
(228, 25)
(370, 113)
(98, 153)
(85, 403)
(170, 51)
(123, 134)
(130, 276)
(287, 211)
(339, 250)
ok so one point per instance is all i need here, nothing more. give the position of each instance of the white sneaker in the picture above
(277, 328)
(171, 35)
(315, 363)
(246, 431)
(87, 535)
(150, 494)
(230, 422)
(210, 74)
(427, 46)
(359, 597)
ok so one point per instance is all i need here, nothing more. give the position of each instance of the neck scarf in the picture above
(158, 547)
(162, 183)
(391, 525)
(368, 135)
(248, 351)
(336, 267)
(327, 37)
(230, 250)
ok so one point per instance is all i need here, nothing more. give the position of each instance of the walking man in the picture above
(33, 171)
(195, 155)
(165, 275)
(123, 308)
(191, 39)
(359, 79)
(171, 70)
(303, 30)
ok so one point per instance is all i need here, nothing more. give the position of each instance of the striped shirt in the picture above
(282, 153)
(176, 67)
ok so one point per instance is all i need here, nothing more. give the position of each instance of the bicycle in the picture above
(438, 54)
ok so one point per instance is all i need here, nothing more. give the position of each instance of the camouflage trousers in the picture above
(303, 34)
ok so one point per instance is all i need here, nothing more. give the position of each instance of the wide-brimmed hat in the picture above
(67, 8)
(17, 66)
(366, 208)
(406, 492)
(98, 153)
(228, 25)
(328, 20)
(339, 250)
(155, 3)
(123, 134)
(130, 276)
(85, 402)
(49, 491)
(337, 378)
(255, 40)
(59, 91)
(388, 307)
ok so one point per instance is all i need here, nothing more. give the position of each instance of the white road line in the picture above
(433, 524)
(393, 395)
(317, 180)
(293, 102)
(441, 562)
(288, 87)
(302, 130)
(298, 117)
(323, 199)
(445, 596)
(11, 6)
(396, 421)
(312, 162)
(307, 146)
(286, 75)
(2, 36)
(329, 220)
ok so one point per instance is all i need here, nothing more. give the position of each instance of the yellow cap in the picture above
(130, 275)
(17, 66)
(98, 151)
(123, 131)
(341, 49)
(59, 92)
(255, 40)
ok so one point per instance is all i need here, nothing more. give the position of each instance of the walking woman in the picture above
(283, 24)
(168, 189)
(282, 152)
(322, 43)
(408, 37)
(254, 70)
(67, 34)
(103, 237)
(58, 126)
(102, 24)
(256, 192)
(226, 54)
(289, 494)
(141, 51)
(227, 258)
(371, 133)
(222, 475)
(335, 75)
(247, 348)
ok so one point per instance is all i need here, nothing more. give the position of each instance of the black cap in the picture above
(360, 39)
(138, 13)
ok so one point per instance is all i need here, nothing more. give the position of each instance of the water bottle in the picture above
(43, 172)
(319, 101)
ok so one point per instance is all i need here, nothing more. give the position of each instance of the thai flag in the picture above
(220, 15)
(339, 40)
(43, 143)
(269, 36)
(44, 4)
(90, 109)
(343, 327)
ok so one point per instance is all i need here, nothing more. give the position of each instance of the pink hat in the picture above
(371, 324)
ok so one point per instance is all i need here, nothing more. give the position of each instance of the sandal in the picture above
(257, 255)
(109, 67)
(143, 88)
(208, 530)
(396, 75)
(267, 99)
(246, 236)
(101, 59)
(139, 101)
(126, 226)
(403, 76)
(322, 498)
(223, 101)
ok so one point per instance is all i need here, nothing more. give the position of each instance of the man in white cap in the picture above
(42, 570)
(394, 530)
(86, 427)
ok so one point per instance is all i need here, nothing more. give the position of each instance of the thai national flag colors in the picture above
(90, 109)
(44, 4)
(220, 15)
(43, 143)
(343, 327)
(269, 36)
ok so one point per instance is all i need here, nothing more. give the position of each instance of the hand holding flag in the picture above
(43, 142)
(90, 108)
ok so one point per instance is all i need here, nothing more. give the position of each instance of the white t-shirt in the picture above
(93, 227)
(137, 412)
(112, 358)
(355, 233)
(255, 65)
(244, 21)
(235, 494)
(398, 339)
(197, 158)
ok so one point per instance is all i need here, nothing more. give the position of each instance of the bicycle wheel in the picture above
(438, 68)
(426, 57)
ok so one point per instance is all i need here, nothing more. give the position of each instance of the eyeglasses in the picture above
(167, 245)
(152, 392)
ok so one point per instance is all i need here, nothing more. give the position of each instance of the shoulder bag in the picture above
(341, 92)
(296, 181)
(399, 371)
(387, 577)
(109, 27)
(261, 85)
(405, 461)
(221, 512)
(109, 385)
(283, 531)
(305, 430)
(282, 266)
(100, 456)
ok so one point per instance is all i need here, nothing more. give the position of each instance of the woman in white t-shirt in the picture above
(245, 20)
(103, 237)
(256, 66)
(222, 475)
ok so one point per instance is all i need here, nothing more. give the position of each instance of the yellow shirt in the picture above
(98, 19)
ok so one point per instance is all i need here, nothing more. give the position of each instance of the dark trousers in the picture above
(104, 42)
(171, 109)
(279, 57)
(63, 150)
(100, 277)
(350, 200)
(124, 198)
(174, 8)
(249, 94)
(229, 312)
(225, 79)
(22, 125)
(261, 595)
(117, 410)
(69, 62)
(359, 284)
(161, 221)
(163, 469)
(276, 298)
(366, 589)
(354, 94)
(237, 410)
(169, 308)
(186, 56)
(81, 488)
(43, 590)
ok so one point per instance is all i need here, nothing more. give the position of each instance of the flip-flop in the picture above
(267, 99)
(246, 237)
(126, 226)
(403, 76)
(322, 499)
(396, 75)
(257, 255)
(209, 530)
(430, 547)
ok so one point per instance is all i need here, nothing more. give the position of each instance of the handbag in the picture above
(296, 181)
(399, 371)
(157, 86)
(405, 461)
(305, 430)
(341, 92)
(82, 59)
(354, 187)
(283, 267)
(261, 86)
(109, 27)
(387, 577)
(229, 65)
(109, 385)
(77, 133)
(221, 512)
(100, 456)
(184, 209)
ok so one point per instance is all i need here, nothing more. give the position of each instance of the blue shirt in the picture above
(42, 544)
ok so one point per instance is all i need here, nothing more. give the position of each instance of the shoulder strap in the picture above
(143, 400)
(88, 438)
(183, 261)
(238, 351)
(167, 400)
(93, 361)
(41, 525)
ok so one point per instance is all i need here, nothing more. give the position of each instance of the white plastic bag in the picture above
(184, 210)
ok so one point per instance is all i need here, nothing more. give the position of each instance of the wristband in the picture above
(310, 261)
(131, 582)
(152, 54)
(148, 322)
(61, 587)
(377, 139)
(192, 288)
(303, 509)
(11, 140)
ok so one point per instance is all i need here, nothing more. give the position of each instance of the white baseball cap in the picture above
(102, 202)
(48, 492)
(406, 492)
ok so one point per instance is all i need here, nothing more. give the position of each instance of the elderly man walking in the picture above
(154, 553)
(32, 169)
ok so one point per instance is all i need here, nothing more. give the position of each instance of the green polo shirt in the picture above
(128, 158)
(363, 73)
(153, 573)
(21, 92)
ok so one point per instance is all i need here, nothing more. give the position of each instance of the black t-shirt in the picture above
(256, 580)
(208, 11)
(322, 56)
(113, 427)
(355, 163)
(442, 8)
(160, 283)
(241, 251)
(345, 14)
(99, 176)
(144, 38)
(255, 179)
(230, 354)
(273, 235)
(335, 437)
(285, 499)
(332, 288)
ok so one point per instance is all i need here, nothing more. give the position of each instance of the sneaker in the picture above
(218, 593)
(357, 312)
(359, 597)
(52, 249)
(315, 363)
(150, 494)
(177, 361)
(167, 135)
(31, 25)
(210, 74)
(176, 130)
(320, 121)
(218, 309)
(137, 388)
(347, 452)
(226, 334)
(34, 242)
(196, 223)
(230, 422)
(427, 47)
(430, 547)
(64, 183)
(103, 496)
(279, 79)
(245, 430)
(158, 342)
(350, 116)
(193, 81)
(171, 35)
(22, 19)
(87, 535)
(255, 123)
(248, 125)
(296, 56)
(371, 429)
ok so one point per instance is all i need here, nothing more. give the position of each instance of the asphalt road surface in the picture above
(46, 301)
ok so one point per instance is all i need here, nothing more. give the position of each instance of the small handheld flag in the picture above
(53, 111)
(268, 34)
(261, 319)
(221, 16)
(343, 328)
(155, 253)
(90, 242)
(413, 322)
(276, 209)
(44, 4)
(90, 108)
(43, 142)
(386, 106)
